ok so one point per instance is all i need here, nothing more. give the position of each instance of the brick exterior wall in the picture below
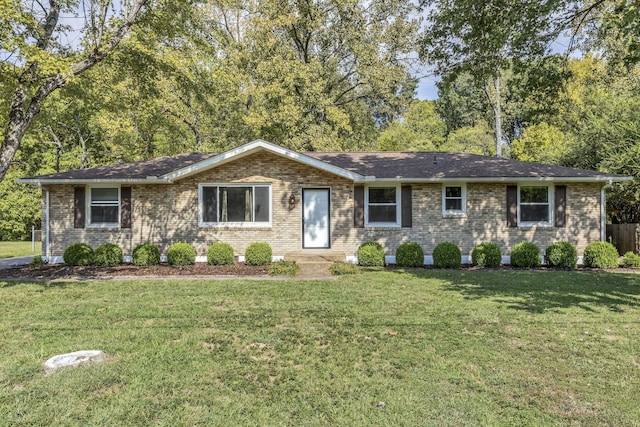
(168, 213)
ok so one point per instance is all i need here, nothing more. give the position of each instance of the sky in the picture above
(427, 89)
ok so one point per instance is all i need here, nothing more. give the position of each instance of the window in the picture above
(534, 204)
(235, 204)
(454, 200)
(382, 206)
(104, 206)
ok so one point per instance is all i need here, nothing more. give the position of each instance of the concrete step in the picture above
(317, 270)
(315, 256)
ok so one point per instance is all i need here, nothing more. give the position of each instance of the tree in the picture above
(471, 139)
(37, 64)
(318, 74)
(483, 38)
(542, 143)
(421, 129)
(602, 116)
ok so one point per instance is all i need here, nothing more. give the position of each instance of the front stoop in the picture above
(315, 264)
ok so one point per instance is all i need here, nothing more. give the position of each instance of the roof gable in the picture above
(254, 147)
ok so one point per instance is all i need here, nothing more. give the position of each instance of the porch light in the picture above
(293, 199)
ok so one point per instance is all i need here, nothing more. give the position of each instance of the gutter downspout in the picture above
(603, 212)
(47, 252)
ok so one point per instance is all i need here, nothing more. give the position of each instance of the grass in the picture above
(18, 248)
(422, 347)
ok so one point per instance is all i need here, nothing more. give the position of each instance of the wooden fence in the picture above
(625, 237)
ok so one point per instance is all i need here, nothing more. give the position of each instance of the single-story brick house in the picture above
(322, 202)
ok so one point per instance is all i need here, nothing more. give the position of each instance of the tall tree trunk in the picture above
(493, 93)
(498, 117)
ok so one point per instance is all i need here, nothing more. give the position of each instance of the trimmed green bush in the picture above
(181, 253)
(78, 254)
(447, 255)
(561, 255)
(486, 255)
(258, 253)
(343, 268)
(410, 254)
(601, 255)
(630, 260)
(37, 262)
(220, 253)
(146, 254)
(284, 268)
(371, 254)
(525, 255)
(107, 255)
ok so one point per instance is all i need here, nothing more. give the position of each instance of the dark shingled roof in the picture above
(382, 165)
(132, 170)
(446, 165)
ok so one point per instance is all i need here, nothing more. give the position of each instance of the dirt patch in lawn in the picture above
(61, 271)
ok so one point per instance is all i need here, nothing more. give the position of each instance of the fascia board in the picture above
(602, 179)
(39, 181)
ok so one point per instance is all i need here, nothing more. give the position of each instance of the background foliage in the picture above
(327, 75)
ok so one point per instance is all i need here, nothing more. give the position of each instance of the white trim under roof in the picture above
(444, 179)
(253, 147)
(113, 181)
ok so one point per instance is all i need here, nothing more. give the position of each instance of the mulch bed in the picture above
(61, 271)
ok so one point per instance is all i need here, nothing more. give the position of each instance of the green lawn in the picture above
(19, 248)
(437, 347)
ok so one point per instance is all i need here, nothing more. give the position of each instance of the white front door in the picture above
(315, 218)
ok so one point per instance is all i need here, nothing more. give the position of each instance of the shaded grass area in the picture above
(18, 248)
(436, 347)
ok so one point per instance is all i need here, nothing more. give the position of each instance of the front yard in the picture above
(423, 347)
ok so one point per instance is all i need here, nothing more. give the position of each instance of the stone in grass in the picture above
(73, 359)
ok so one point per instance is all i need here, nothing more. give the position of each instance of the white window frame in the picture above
(463, 193)
(243, 224)
(398, 205)
(88, 206)
(551, 199)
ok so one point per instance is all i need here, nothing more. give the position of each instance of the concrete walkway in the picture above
(15, 261)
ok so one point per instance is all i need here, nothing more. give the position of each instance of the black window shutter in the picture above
(125, 207)
(512, 206)
(406, 206)
(358, 206)
(560, 214)
(78, 207)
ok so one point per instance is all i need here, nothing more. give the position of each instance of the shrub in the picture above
(78, 254)
(258, 253)
(220, 253)
(343, 268)
(37, 262)
(409, 254)
(447, 255)
(284, 268)
(561, 255)
(631, 260)
(146, 254)
(486, 255)
(525, 255)
(107, 255)
(181, 253)
(371, 254)
(601, 255)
